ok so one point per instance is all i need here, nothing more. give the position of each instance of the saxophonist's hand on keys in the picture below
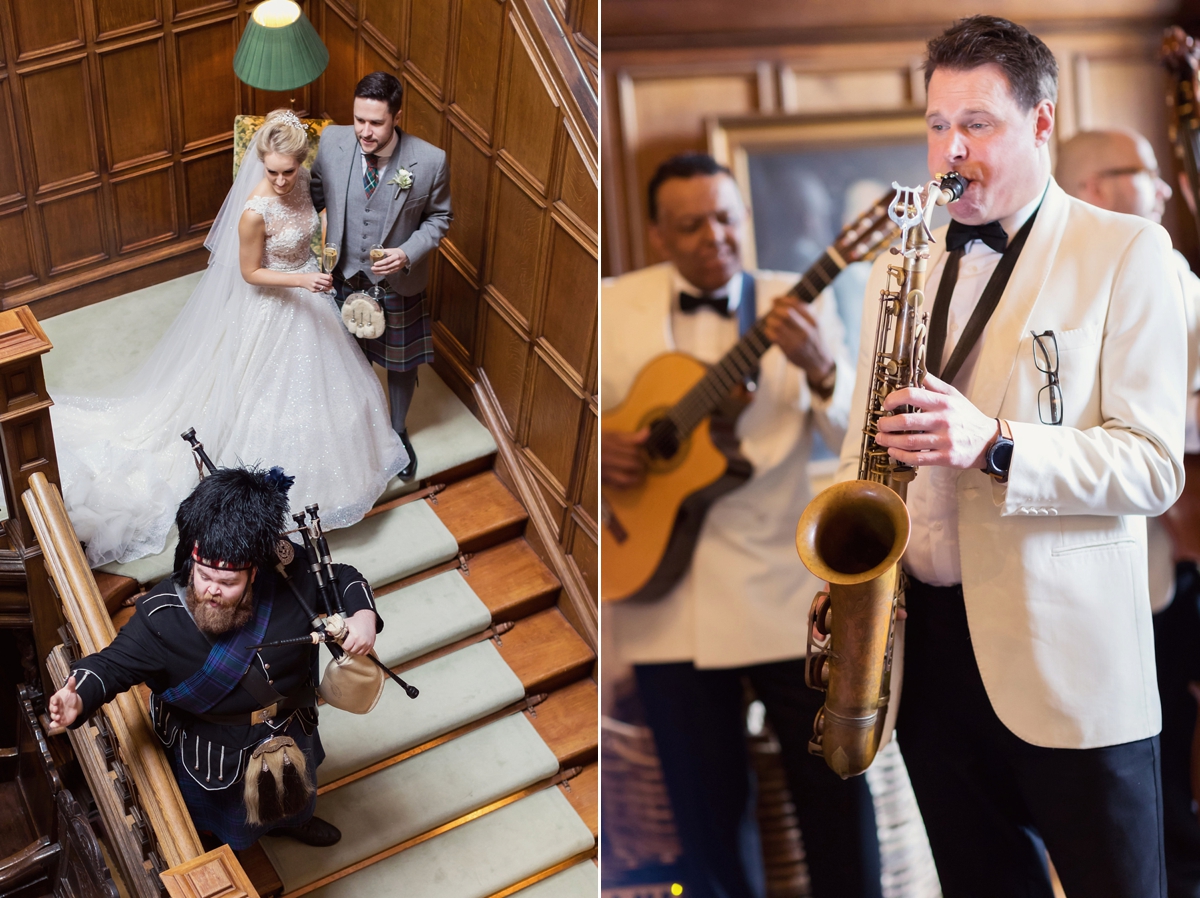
(946, 430)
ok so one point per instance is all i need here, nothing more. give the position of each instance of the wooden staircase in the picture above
(554, 666)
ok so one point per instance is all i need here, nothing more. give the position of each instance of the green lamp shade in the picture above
(280, 58)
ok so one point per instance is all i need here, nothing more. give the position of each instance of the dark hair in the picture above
(381, 86)
(685, 165)
(978, 40)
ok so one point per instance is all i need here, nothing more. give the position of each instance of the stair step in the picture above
(545, 651)
(456, 689)
(512, 580)
(584, 794)
(566, 721)
(261, 871)
(480, 512)
(426, 616)
(403, 801)
(479, 858)
(384, 547)
(581, 880)
(447, 438)
(394, 544)
(115, 589)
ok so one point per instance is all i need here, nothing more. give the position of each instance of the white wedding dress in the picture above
(266, 375)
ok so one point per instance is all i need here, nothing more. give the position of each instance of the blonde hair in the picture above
(283, 133)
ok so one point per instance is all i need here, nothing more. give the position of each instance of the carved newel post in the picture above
(27, 446)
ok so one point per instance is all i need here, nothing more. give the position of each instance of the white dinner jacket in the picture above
(1054, 562)
(745, 597)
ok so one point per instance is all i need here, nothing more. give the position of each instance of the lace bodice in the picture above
(291, 221)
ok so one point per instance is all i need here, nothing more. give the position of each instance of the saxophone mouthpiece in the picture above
(953, 186)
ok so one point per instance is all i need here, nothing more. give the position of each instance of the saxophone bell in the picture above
(854, 533)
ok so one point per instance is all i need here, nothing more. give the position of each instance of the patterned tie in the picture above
(371, 175)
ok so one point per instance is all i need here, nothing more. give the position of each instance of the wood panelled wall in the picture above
(514, 286)
(668, 68)
(116, 124)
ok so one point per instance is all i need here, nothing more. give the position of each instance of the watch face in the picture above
(1000, 456)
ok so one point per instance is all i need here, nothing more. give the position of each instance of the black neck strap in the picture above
(983, 309)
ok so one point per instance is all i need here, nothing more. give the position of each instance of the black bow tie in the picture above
(991, 233)
(719, 304)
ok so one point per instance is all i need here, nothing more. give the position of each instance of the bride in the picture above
(257, 361)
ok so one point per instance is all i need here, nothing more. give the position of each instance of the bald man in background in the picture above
(1117, 170)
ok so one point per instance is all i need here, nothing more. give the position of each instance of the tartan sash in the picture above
(229, 658)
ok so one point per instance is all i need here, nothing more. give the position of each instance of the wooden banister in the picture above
(126, 727)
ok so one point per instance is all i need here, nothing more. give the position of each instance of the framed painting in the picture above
(804, 177)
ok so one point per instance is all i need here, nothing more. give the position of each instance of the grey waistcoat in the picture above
(364, 219)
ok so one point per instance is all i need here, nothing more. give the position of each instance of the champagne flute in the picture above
(376, 252)
(329, 257)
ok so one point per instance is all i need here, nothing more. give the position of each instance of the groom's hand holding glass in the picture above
(386, 261)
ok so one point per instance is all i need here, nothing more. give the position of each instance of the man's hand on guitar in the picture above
(793, 327)
(622, 462)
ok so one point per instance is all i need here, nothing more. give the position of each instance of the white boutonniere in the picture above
(403, 179)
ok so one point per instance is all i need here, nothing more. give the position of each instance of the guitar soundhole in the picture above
(663, 441)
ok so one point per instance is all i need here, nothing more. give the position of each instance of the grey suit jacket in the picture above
(416, 219)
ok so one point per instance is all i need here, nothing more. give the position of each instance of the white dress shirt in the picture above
(932, 554)
(745, 596)
(704, 333)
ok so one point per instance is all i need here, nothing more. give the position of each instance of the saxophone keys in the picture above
(816, 671)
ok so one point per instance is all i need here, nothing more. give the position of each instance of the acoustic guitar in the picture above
(648, 532)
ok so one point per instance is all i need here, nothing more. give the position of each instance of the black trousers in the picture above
(699, 727)
(1177, 653)
(993, 804)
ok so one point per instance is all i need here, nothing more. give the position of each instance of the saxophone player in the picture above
(1029, 716)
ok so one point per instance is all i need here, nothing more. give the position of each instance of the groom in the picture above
(382, 186)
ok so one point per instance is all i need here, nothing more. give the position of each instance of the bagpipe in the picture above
(351, 682)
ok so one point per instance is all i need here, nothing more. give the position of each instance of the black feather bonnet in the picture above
(234, 516)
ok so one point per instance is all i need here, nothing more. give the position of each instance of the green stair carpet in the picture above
(412, 797)
(459, 688)
(579, 881)
(478, 858)
(426, 616)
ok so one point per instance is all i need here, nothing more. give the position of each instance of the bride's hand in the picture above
(315, 281)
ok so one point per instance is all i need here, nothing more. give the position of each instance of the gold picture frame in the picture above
(740, 141)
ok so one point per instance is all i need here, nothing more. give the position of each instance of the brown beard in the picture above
(215, 621)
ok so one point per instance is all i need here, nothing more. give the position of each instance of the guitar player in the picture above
(740, 611)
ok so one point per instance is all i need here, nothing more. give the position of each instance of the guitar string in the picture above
(699, 402)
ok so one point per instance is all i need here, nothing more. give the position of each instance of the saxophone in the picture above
(853, 534)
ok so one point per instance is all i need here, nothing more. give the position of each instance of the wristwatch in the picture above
(999, 455)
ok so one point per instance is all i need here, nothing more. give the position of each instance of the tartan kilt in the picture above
(222, 812)
(407, 340)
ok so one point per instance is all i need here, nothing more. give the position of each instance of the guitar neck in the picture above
(737, 364)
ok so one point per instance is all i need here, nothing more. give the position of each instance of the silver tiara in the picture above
(290, 118)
